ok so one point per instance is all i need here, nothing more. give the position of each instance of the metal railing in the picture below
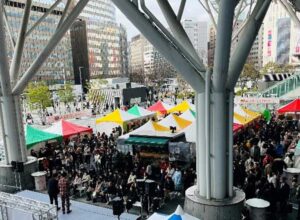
(283, 87)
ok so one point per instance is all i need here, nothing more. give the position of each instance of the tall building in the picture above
(211, 46)
(80, 53)
(147, 65)
(106, 40)
(255, 56)
(281, 37)
(136, 58)
(197, 32)
(59, 65)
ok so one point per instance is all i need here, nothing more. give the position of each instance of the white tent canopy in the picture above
(179, 214)
(188, 115)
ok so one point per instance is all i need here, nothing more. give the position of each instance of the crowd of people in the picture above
(261, 153)
(93, 168)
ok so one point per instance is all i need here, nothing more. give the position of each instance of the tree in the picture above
(272, 67)
(38, 96)
(249, 77)
(66, 94)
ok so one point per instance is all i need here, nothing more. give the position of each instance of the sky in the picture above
(193, 10)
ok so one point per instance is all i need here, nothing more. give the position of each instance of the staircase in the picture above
(101, 97)
(286, 88)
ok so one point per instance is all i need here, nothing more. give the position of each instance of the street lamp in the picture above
(80, 79)
(150, 97)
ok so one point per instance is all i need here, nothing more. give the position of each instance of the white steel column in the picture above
(201, 144)
(11, 129)
(219, 117)
(16, 61)
(162, 44)
(177, 29)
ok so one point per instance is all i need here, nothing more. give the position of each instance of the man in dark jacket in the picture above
(283, 195)
(53, 190)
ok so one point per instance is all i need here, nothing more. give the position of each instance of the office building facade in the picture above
(58, 67)
(281, 37)
(106, 40)
(197, 32)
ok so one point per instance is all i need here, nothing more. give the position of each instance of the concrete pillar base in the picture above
(8, 179)
(229, 209)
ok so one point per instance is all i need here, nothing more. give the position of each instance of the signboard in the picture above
(269, 43)
(249, 100)
(180, 151)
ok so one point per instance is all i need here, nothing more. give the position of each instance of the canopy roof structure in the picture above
(35, 136)
(293, 106)
(175, 121)
(118, 116)
(160, 107)
(140, 112)
(147, 140)
(189, 115)
(67, 129)
(182, 107)
(150, 126)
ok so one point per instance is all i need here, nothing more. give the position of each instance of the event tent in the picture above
(149, 126)
(242, 120)
(182, 107)
(189, 115)
(34, 136)
(118, 116)
(67, 129)
(140, 112)
(179, 214)
(237, 127)
(293, 106)
(160, 107)
(241, 111)
(175, 121)
(251, 113)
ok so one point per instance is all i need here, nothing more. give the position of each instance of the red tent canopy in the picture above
(159, 107)
(293, 106)
(67, 129)
(236, 127)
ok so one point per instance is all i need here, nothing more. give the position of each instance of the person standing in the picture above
(53, 190)
(64, 193)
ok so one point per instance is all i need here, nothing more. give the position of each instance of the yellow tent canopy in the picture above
(175, 121)
(118, 116)
(158, 127)
(239, 119)
(181, 107)
(251, 113)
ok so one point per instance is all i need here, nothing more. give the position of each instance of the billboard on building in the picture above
(283, 40)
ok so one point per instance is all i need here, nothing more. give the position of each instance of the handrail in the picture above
(295, 76)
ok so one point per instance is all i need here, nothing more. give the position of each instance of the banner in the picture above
(249, 100)
(54, 118)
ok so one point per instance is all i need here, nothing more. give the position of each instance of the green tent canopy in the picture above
(139, 111)
(35, 136)
(146, 141)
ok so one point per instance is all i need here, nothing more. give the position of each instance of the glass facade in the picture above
(59, 64)
(107, 41)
